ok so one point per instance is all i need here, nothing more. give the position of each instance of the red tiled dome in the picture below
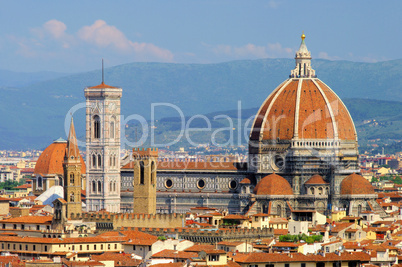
(245, 181)
(51, 159)
(356, 184)
(306, 108)
(273, 184)
(316, 179)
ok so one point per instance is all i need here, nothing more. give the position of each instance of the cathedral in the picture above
(303, 156)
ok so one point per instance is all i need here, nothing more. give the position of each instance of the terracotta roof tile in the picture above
(273, 184)
(167, 253)
(356, 184)
(51, 160)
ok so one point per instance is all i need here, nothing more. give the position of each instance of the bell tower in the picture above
(145, 180)
(103, 147)
(72, 175)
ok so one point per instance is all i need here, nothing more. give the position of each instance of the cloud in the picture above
(55, 28)
(251, 50)
(324, 55)
(102, 35)
(52, 39)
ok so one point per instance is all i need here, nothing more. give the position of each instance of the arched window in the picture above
(94, 161)
(111, 161)
(93, 186)
(99, 187)
(153, 173)
(265, 208)
(97, 127)
(114, 160)
(110, 186)
(359, 209)
(320, 191)
(71, 178)
(279, 210)
(112, 129)
(99, 161)
(72, 199)
(114, 186)
(312, 190)
(40, 182)
(142, 171)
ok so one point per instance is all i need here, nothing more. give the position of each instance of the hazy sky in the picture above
(73, 36)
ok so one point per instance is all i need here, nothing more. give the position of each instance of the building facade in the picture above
(303, 154)
(103, 147)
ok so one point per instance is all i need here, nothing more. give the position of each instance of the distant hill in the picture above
(33, 115)
(16, 79)
(374, 119)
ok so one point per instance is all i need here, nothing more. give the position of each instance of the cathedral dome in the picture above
(316, 179)
(51, 159)
(303, 107)
(356, 184)
(273, 184)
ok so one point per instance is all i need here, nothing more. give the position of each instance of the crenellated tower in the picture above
(145, 180)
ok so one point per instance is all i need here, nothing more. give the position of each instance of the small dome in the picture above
(51, 159)
(245, 181)
(273, 184)
(356, 184)
(316, 179)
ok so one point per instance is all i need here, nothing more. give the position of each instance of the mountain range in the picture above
(34, 106)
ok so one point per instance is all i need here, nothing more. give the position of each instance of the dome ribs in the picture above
(345, 125)
(280, 116)
(314, 119)
(259, 119)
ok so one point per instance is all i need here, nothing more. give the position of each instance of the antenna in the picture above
(103, 73)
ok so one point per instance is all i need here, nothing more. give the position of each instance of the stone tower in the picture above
(103, 147)
(145, 180)
(72, 175)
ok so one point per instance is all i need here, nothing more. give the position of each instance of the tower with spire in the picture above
(103, 147)
(72, 175)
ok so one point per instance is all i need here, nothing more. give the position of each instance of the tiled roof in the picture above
(174, 254)
(101, 86)
(316, 179)
(30, 220)
(24, 186)
(234, 217)
(51, 160)
(69, 240)
(273, 184)
(120, 259)
(198, 248)
(281, 107)
(356, 184)
(245, 181)
(230, 243)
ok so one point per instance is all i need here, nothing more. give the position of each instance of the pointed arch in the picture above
(99, 161)
(72, 198)
(142, 172)
(112, 129)
(93, 161)
(153, 173)
(72, 180)
(99, 186)
(93, 187)
(97, 127)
